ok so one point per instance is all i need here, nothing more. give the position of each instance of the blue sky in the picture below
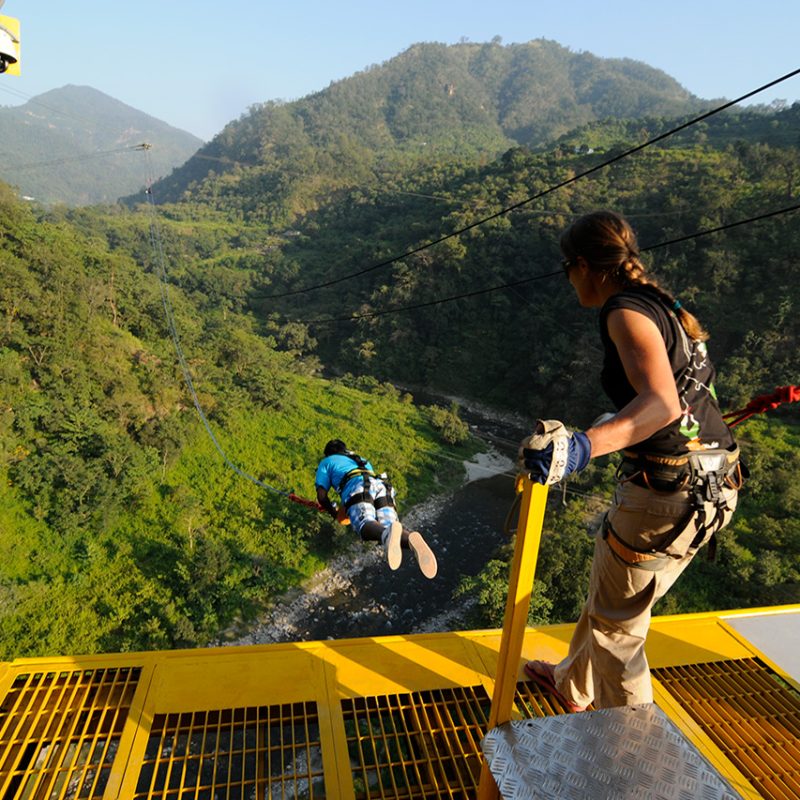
(198, 65)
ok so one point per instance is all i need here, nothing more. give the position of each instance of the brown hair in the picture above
(608, 243)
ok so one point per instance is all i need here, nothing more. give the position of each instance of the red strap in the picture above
(304, 502)
(763, 403)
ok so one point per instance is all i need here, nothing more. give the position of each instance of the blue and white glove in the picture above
(553, 452)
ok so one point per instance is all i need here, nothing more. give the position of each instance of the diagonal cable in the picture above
(156, 242)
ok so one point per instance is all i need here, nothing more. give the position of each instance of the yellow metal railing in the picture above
(523, 568)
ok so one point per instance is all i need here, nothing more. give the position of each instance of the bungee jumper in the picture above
(368, 501)
(680, 473)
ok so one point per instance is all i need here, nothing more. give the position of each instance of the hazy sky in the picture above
(198, 65)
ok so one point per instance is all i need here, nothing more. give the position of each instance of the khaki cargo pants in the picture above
(606, 664)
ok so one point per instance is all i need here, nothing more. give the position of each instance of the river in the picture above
(357, 595)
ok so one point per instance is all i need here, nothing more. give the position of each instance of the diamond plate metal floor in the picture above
(625, 753)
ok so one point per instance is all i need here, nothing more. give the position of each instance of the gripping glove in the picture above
(554, 452)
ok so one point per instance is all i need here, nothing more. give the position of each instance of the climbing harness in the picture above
(365, 495)
(360, 469)
(703, 474)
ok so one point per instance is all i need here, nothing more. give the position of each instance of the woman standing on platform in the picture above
(679, 474)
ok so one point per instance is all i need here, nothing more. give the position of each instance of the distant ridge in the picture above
(433, 102)
(52, 146)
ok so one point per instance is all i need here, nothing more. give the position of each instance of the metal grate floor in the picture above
(59, 732)
(418, 745)
(749, 715)
(242, 753)
(532, 701)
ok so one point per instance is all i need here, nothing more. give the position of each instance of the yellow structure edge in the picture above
(328, 672)
(695, 734)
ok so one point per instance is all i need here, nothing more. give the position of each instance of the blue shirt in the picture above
(331, 472)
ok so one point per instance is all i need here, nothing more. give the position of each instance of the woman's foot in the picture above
(542, 674)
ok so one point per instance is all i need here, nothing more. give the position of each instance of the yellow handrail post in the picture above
(520, 585)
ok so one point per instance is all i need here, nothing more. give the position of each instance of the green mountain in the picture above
(431, 104)
(74, 145)
(517, 347)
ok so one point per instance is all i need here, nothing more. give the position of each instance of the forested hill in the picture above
(121, 527)
(63, 147)
(430, 104)
(530, 346)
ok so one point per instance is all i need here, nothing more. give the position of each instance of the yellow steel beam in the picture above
(335, 757)
(523, 568)
(136, 730)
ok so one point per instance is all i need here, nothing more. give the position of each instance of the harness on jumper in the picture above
(364, 496)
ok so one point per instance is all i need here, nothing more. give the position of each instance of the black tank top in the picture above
(701, 425)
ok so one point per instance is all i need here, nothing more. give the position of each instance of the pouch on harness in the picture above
(364, 495)
(703, 474)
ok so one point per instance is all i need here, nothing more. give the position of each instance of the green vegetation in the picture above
(121, 525)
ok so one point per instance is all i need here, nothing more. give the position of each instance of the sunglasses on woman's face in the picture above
(566, 265)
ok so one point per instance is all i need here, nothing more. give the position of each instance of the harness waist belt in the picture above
(672, 474)
(643, 559)
(352, 474)
(365, 497)
(631, 556)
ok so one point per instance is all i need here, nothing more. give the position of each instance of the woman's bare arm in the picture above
(646, 364)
